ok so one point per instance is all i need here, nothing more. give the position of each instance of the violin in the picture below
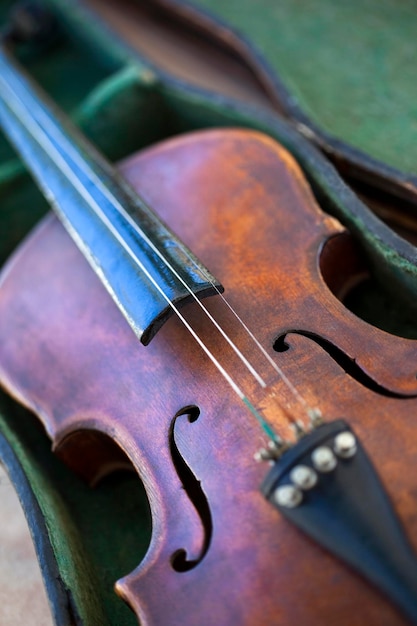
(273, 429)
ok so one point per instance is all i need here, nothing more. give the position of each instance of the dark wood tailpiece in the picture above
(327, 486)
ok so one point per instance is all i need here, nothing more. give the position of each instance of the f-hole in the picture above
(192, 486)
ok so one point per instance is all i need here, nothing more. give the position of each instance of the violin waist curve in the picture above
(68, 355)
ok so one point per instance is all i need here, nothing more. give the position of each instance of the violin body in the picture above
(220, 554)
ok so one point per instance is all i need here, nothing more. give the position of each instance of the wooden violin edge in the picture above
(66, 373)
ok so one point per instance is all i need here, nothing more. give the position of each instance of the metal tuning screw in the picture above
(345, 445)
(276, 447)
(324, 459)
(262, 455)
(303, 477)
(288, 496)
(298, 428)
(316, 417)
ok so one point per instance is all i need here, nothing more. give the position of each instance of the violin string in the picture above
(43, 139)
(261, 348)
(137, 228)
(190, 329)
(70, 175)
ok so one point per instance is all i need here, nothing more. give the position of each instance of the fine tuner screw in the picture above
(288, 496)
(316, 417)
(298, 428)
(276, 447)
(345, 445)
(324, 459)
(303, 477)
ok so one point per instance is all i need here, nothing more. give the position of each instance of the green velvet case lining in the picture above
(99, 535)
(350, 66)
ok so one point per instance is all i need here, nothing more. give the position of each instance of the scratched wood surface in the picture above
(241, 203)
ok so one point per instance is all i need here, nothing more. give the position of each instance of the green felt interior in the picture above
(350, 65)
(99, 535)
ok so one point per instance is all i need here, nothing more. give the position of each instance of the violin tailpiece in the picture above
(327, 486)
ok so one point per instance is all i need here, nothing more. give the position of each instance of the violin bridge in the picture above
(327, 486)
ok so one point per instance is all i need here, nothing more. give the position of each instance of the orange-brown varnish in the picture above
(240, 202)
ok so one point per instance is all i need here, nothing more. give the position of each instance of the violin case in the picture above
(342, 73)
(124, 100)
